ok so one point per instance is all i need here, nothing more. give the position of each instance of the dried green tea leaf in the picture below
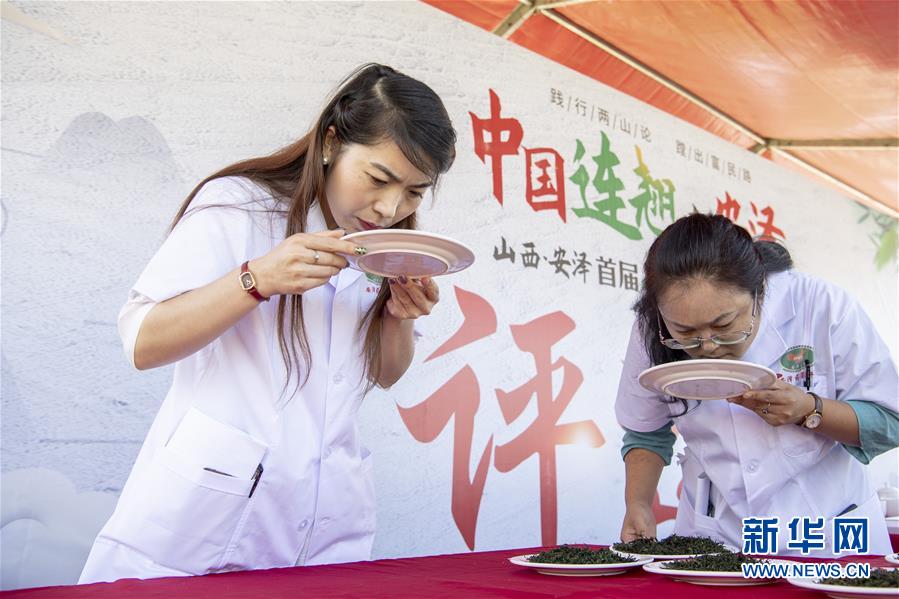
(673, 545)
(880, 577)
(714, 562)
(576, 554)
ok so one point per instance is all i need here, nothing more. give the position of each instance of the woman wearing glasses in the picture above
(797, 449)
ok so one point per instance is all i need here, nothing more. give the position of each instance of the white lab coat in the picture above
(758, 470)
(228, 411)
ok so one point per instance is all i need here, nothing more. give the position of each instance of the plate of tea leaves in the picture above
(714, 569)
(673, 547)
(577, 560)
(883, 582)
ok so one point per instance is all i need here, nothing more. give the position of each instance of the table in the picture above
(468, 575)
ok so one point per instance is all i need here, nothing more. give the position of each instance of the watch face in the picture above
(246, 281)
(813, 421)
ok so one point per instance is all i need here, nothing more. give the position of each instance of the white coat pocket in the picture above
(216, 446)
(870, 511)
(693, 517)
(183, 513)
(800, 446)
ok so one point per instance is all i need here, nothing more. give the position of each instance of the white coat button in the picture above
(752, 466)
(327, 452)
(304, 524)
(338, 378)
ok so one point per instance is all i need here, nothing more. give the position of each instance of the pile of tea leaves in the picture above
(576, 554)
(673, 545)
(880, 577)
(713, 562)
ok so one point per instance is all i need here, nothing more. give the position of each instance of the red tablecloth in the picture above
(468, 575)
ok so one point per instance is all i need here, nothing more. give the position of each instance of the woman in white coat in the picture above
(797, 449)
(254, 459)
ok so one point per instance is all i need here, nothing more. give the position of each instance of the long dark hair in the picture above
(373, 104)
(702, 246)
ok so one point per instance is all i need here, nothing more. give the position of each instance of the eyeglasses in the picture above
(731, 338)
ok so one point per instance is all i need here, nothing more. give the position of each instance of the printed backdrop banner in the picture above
(502, 434)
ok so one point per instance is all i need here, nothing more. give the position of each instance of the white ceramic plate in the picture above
(706, 379)
(577, 569)
(395, 252)
(893, 558)
(709, 578)
(668, 557)
(838, 591)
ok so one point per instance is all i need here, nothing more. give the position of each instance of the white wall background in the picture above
(111, 111)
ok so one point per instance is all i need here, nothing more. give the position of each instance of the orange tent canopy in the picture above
(810, 84)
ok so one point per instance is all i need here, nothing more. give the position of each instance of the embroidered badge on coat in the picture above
(794, 358)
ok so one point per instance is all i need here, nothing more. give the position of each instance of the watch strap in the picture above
(819, 403)
(245, 268)
(819, 406)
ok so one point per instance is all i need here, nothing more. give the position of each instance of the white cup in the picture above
(889, 501)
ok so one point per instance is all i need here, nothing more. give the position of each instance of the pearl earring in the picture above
(325, 160)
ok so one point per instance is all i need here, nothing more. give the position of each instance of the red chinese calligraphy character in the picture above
(459, 399)
(546, 159)
(730, 208)
(495, 146)
(478, 321)
(768, 230)
(544, 434)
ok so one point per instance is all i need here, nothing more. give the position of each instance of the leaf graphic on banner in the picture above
(889, 242)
